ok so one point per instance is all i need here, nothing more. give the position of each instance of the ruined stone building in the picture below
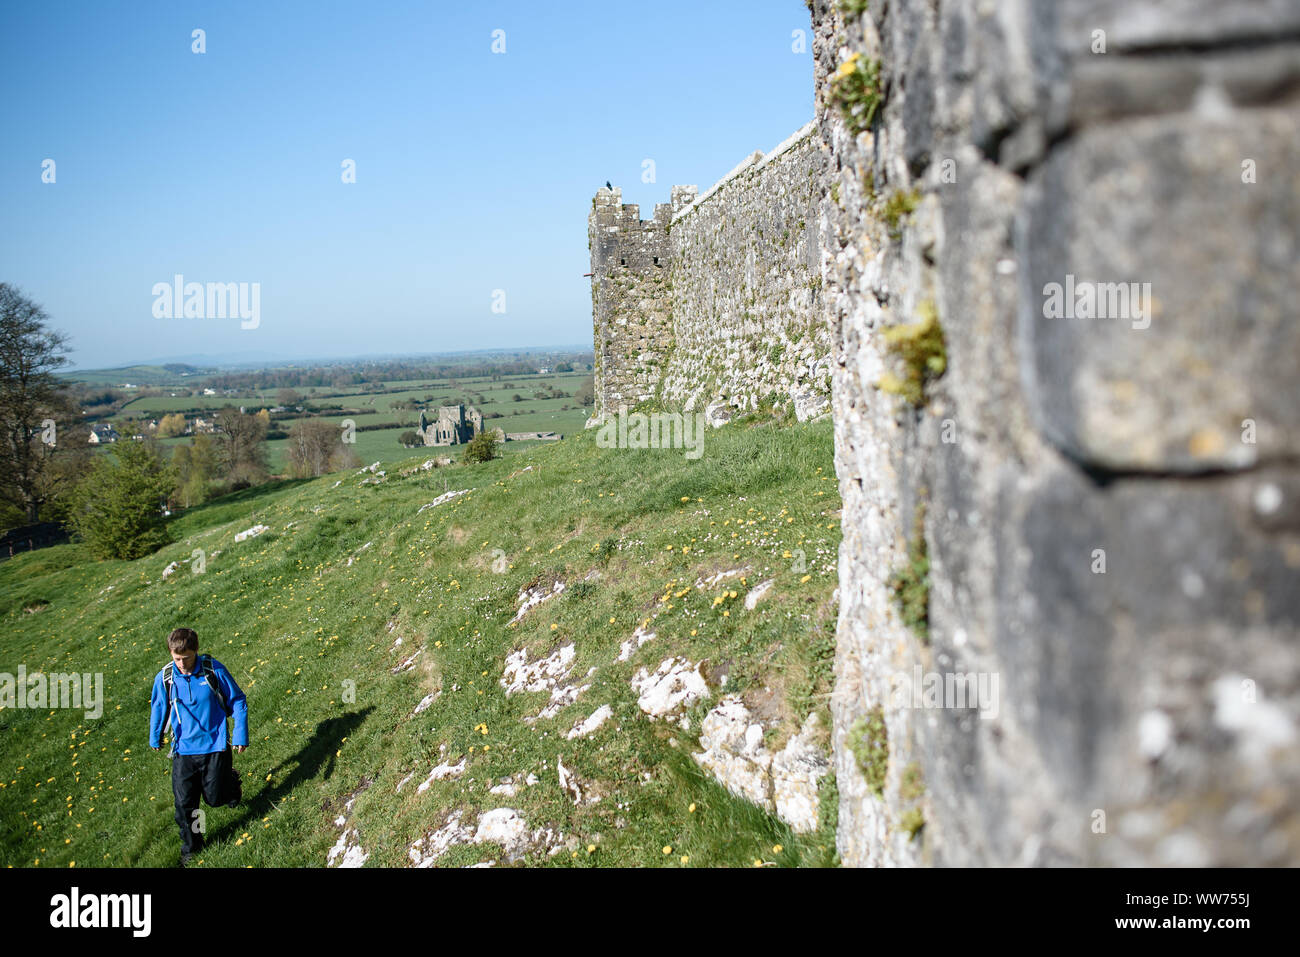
(455, 424)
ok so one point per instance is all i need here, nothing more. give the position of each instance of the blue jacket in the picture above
(198, 720)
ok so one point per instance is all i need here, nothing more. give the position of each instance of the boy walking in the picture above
(195, 694)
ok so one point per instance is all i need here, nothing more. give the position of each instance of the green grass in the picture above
(855, 86)
(294, 622)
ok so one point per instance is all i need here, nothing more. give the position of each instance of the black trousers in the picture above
(211, 776)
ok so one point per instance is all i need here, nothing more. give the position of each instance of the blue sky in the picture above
(474, 170)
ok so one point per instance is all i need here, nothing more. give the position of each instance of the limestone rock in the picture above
(675, 684)
(784, 783)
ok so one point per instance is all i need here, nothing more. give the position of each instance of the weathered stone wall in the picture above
(1111, 506)
(748, 322)
(1103, 494)
(716, 303)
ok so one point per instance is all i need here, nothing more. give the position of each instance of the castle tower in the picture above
(630, 295)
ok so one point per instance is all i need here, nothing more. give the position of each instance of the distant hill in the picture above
(165, 370)
(150, 375)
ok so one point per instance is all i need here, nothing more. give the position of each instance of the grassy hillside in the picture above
(307, 617)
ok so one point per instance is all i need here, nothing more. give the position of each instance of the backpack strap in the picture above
(210, 676)
(167, 716)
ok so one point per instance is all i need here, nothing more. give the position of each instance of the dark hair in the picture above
(183, 639)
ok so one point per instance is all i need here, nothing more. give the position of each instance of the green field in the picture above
(381, 445)
(307, 617)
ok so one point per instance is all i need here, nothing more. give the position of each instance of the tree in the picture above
(410, 439)
(241, 447)
(482, 448)
(315, 447)
(586, 394)
(171, 425)
(196, 468)
(30, 399)
(117, 509)
(288, 398)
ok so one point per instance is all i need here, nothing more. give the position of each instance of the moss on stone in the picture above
(921, 349)
(869, 186)
(912, 822)
(868, 739)
(910, 583)
(900, 203)
(912, 785)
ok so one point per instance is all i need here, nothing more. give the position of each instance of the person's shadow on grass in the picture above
(319, 751)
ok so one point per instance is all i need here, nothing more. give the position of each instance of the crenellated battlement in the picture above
(621, 238)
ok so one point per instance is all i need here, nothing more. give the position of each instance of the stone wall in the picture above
(748, 321)
(715, 303)
(1110, 507)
